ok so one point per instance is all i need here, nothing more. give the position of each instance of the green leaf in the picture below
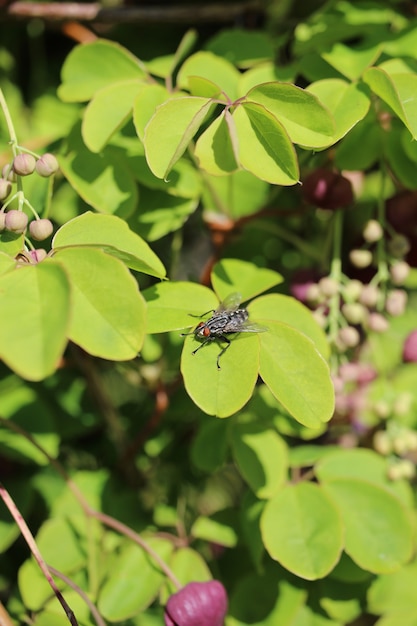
(146, 101)
(399, 161)
(209, 447)
(261, 456)
(280, 308)
(108, 312)
(242, 47)
(250, 515)
(239, 194)
(102, 180)
(301, 528)
(265, 73)
(19, 403)
(35, 301)
(10, 243)
(351, 62)
(174, 306)
(234, 275)
(348, 103)
(264, 146)
(394, 592)
(163, 213)
(217, 529)
(294, 372)
(172, 127)
(216, 149)
(379, 533)
(7, 262)
(225, 391)
(60, 544)
(303, 116)
(113, 236)
(92, 66)
(216, 69)
(109, 110)
(188, 566)
(398, 91)
(136, 578)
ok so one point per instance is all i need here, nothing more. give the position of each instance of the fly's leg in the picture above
(203, 315)
(208, 340)
(223, 338)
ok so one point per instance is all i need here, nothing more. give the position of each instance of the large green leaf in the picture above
(108, 311)
(109, 110)
(216, 148)
(102, 180)
(35, 302)
(135, 578)
(303, 116)
(145, 104)
(302, 529)
(92, 66)
(264, 146)
(221, 392)
(280, 308)
(171, 129)
(352, 61)
(261, 456)
(234, 275)
(348, 102)
(296, 374)
(112, 235)
(398, 91)
(378, 529)
(214, 68)
(172, 306)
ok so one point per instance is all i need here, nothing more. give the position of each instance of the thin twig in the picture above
(89, 12)
(24, 529)
(100, 621)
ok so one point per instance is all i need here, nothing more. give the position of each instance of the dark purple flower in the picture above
(327, 189)
(197, 604)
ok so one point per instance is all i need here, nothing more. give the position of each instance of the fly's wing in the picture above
(252, 327)
(230, 303)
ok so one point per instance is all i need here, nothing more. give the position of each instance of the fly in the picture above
(227, 319)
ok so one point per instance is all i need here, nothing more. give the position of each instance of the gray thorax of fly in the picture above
(228, 318)
(222, 322)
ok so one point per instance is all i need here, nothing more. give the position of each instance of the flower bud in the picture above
(354, 312)
(24, 164)
(403, 404)
(5, 188)
(38, 255)
(328, 286)
(352, 290)
(369, 296)
(399, 272)
(410, 348)
(202, 603)
(47, 165)
(396, 302)
(349, 336)
(399, 246)
(360, 258)
(373, 231)
(8, 173)
(16, 221)
(327, 190)
(382, 443)
(40, 229)
(377, 323)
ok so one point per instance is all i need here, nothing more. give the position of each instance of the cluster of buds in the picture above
(16, 220)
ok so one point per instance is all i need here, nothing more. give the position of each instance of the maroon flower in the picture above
(197, 604)
(327, 190)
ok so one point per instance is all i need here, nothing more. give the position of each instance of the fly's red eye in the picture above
(206, 332)
(200, 324)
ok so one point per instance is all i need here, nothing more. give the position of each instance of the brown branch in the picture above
(89, 12)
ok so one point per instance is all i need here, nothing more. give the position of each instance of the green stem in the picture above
(336, 274)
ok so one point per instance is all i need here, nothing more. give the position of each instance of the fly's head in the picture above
(202, 330)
